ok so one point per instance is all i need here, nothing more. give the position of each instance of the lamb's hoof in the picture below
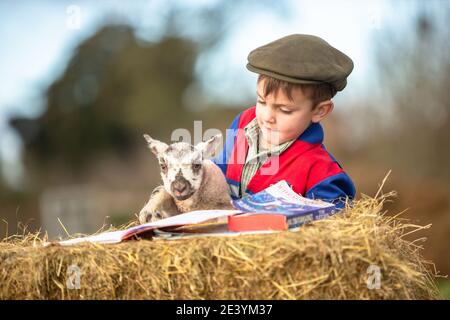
(145, 217)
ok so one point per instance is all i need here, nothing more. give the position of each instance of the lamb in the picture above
(191, 181)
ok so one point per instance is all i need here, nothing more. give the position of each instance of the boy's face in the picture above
(281, 119)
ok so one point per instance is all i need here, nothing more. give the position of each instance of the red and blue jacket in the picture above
(306, 165)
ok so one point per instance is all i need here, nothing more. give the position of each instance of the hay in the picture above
(326, 260)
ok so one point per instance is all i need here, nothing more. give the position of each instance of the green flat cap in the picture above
(302, 58)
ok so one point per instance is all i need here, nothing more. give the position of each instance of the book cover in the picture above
(277, 221)
(277, 208)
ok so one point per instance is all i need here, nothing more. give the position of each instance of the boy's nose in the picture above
(268, 115)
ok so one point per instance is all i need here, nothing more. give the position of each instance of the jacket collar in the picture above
(313, 134)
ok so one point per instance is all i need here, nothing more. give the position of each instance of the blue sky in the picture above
(38, 37)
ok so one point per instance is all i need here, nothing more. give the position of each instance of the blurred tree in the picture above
(411, 120)
(409, 127)
(3, 187)
(113, 89)
(117, 86)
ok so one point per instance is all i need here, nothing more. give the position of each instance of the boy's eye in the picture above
(286, 111)
(261, 102)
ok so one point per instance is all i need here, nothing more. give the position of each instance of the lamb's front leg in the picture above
(160, 205)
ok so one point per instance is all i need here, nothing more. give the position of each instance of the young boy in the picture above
(281, 137)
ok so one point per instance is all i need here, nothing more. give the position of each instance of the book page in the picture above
(282, 190)
(192, 217)
(105, 237)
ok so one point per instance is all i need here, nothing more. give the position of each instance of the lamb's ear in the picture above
(156, 146)
(210, 147)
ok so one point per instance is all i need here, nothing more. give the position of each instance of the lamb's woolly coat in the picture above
(213, 192)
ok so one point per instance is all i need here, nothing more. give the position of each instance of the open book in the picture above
(189, 218)
(275, 208)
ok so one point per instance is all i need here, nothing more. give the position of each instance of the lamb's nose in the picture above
(179, 186)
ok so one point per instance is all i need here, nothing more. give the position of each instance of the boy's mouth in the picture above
(270, 130)
(266, 127)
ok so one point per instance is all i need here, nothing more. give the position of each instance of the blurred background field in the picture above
(81, 81)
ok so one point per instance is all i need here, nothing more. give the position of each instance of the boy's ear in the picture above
(322, 110)
(156, 146)
(210, 147)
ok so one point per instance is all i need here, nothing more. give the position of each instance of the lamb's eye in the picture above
(196, 166)
(163, 166)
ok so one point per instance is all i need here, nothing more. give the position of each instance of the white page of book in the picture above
(281, 189)
(192, 217)
(105, 237)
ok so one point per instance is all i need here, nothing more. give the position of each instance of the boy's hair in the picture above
(315, 92)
